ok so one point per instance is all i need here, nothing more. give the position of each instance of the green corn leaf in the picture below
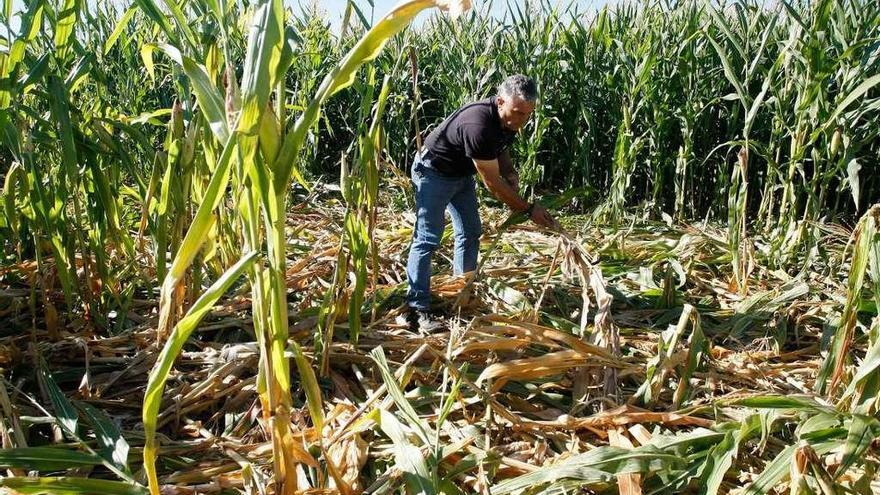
(146, 53)
(207, 94)
(36, 73)
(265, 46)
(45, 458)
(15, 192)
(408, 458)
(155, 13)
(722, 455)
(113, 446)
(159, 373)
(698, 347)
(406, 409)
(151, 117)
(779, 467)
(818, 423)
(550, 202)
(756, 104)
(780, 402)
(198, 229)
(121, 24)
(181, 21)
(721, 23)
(730, 73)
(64, 24)
(866, 371)
(366, 49)
(452, 396)
(863, 430)
(765, 37)
(310, 387)
(795, 15)
(67, 415)
(359, 244)
(717, 463)
(865, 236)
(848, 100)
(598, 465)
(60, 105)
(644, 71)
(69, 486)
(31, 26)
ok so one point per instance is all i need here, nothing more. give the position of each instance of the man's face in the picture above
(514, 111)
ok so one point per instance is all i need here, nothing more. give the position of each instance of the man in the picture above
(473, 140)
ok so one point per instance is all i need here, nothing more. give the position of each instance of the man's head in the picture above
(516, 101)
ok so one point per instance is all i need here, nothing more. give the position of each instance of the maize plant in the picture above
(193, 193)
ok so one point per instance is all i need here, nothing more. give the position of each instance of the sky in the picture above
(335, 8)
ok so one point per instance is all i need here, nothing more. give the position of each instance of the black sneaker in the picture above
(424, 322)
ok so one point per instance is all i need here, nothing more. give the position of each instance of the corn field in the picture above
(206, 214)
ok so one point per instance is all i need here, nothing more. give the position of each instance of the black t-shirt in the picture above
(473, 131)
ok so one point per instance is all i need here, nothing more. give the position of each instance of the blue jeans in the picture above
(436, 193)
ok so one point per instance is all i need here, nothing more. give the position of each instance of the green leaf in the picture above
(551, 202)
(717, 463)
(853, 95)
(449, 402)
(730, 74)
(146, 53)
(114, 447)
(722, 455)
(342, 76)
(865, 238)
(207, 94)
(598, 465)
(780, 402)
(181, 21)
(756, 104)
(64, 24)
(779, 467)
(45, 458)
(153, 12)
(67, 416)
(69, 486)
(862, 431)
(406, 409)
(407, 457)
(152, 117)
(817, 423)
(182, 331)
(120, 27)
(852, 176)
(200, 225)
(721, 23)
(265, 44)
(310, 386)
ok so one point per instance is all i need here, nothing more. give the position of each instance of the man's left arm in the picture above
(505, 166)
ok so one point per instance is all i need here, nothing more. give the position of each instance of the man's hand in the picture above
(502, 189)
(542, 217)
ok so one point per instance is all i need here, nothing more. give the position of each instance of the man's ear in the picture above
(499, 101)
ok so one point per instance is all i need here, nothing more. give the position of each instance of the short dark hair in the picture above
(518, 85)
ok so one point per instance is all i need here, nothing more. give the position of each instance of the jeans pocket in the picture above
(417, 175)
